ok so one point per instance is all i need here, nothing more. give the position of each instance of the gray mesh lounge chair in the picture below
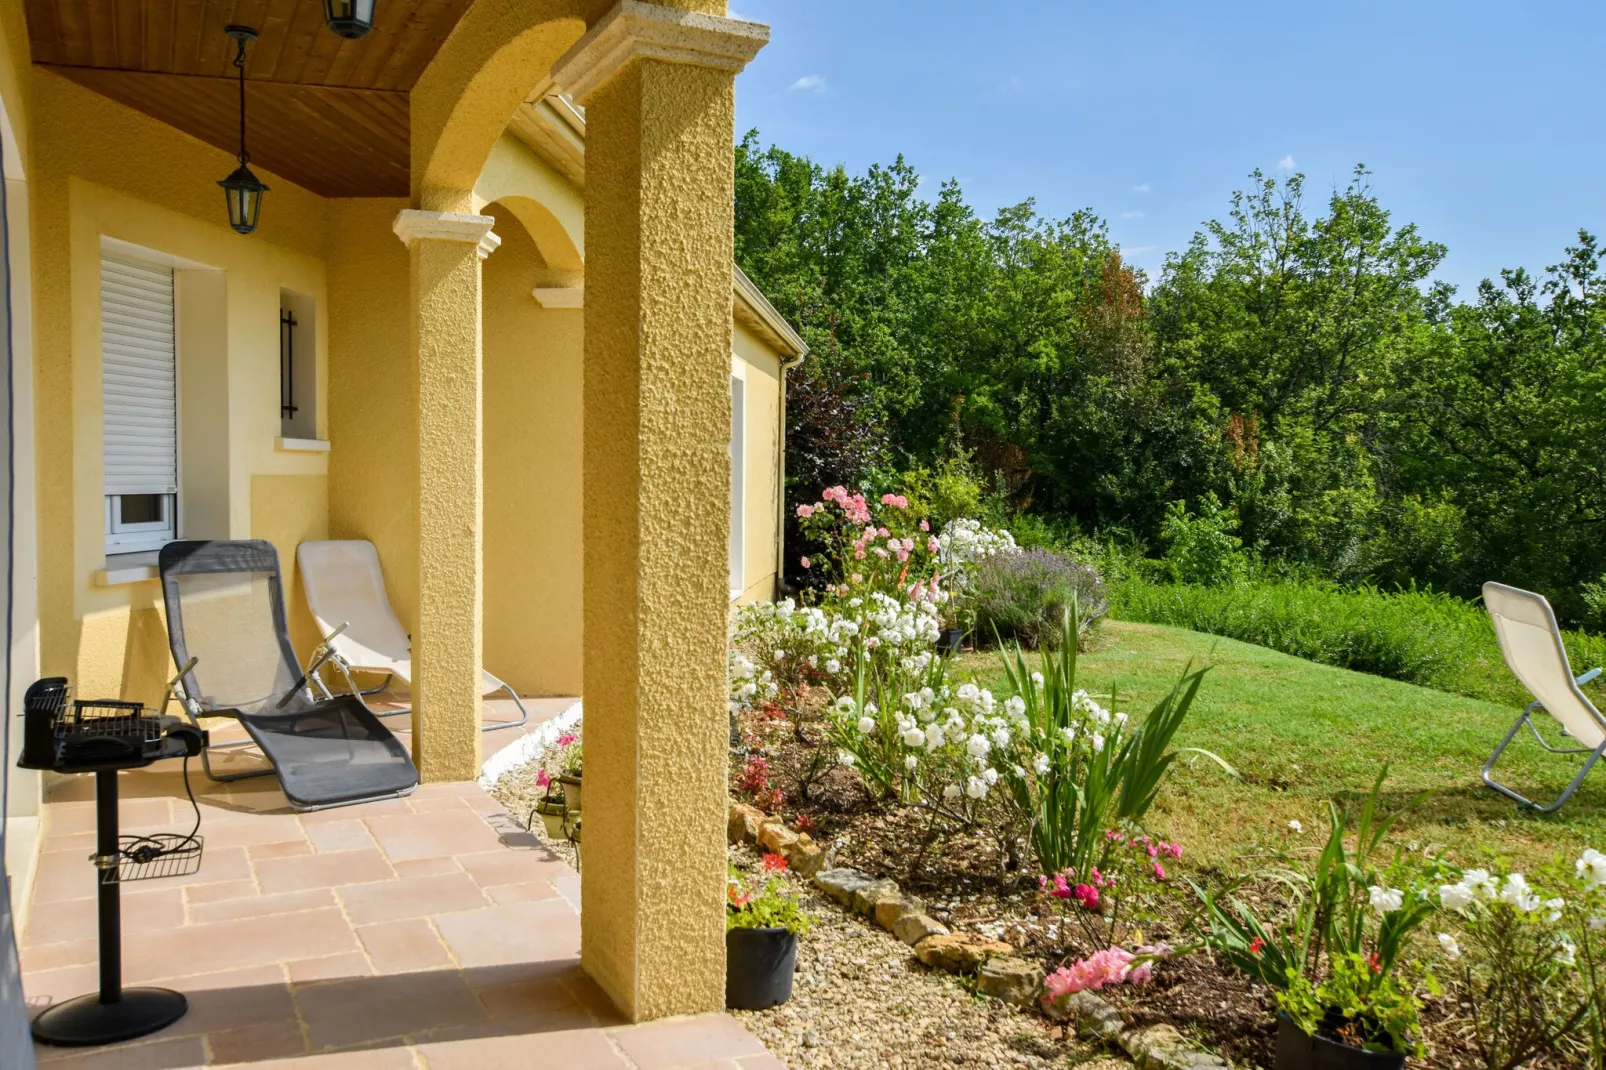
(1531, 642)
(227, 630)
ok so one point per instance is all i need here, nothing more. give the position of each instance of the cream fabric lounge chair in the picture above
(1530, 639)
(344, 585)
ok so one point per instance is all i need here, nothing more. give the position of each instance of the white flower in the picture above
(976, 788)
(1455, 896)
(1480, 881)
(833, 666)
(1452, 950)
(867, 725)
(1553, 908)
(1000, 737)
(1386, 900)
(1296, 826)
(1564, 951)
(911, 763)
(1098, 741)
(1591, 866)
(914, 737)
(933, 736)
(845, 758)
(845, 703)
(780, 655)
(1517, 895)
(1041, 764)
(1037, 678)
(991, 776)
(951, 792)
(1015, 706)
(977, 746)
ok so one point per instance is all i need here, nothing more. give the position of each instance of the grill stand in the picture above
(114, 1013)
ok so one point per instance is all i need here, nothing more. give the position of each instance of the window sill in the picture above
(127, 568)
(301, 445)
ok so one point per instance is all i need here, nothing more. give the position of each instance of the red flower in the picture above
(1374, 962)
(1255, 945)
(774, 864)
(1087, 895)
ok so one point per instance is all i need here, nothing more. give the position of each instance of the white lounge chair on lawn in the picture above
(1530, 639)
(344, 586)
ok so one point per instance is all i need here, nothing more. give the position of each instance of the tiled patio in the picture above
(428, 933)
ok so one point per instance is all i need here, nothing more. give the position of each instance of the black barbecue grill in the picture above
(103, 737)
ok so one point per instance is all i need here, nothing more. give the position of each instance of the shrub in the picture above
(1023, 597)
(1204, 547)
(1434, 640)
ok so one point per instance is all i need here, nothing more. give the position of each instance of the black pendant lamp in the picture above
(350, 19)
(242, 189)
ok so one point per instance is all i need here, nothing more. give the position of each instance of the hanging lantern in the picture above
(350, 19)
(242, 189)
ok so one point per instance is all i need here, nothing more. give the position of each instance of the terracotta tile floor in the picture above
(431, 933)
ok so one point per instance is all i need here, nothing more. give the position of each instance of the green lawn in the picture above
(1301, 733)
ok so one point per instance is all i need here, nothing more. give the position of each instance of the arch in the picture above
(494, 58)
(550, 208)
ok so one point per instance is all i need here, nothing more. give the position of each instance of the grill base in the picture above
(86, 1020)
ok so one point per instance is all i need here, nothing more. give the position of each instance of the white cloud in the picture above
(1286, 163)
(1137, 250)
(1141, 187)
(815, 82)
(1132, 215)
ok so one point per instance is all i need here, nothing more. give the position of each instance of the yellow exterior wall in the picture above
(104, 170)
(533, 540)
(762, 467)
(373, 395)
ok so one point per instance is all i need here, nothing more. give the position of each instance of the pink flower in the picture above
(543, 778)
(903, 555)
(1154, 852)
(1111, 966)
(804, 562)
(805, 511)
(858, 577)
(924, 526)
(932, 545)
(897, 501)
(883, 532)
(1159, 871)
(1087, 895)
(564, 741)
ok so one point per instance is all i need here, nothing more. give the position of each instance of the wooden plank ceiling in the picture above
(326, 113)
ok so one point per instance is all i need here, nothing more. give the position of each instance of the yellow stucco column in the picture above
(446, 250)
(657, 86)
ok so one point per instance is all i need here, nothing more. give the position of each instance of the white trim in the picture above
(118, 247)
(559, 296)
(119, 575)
(301, 445)
(651, 31)
(413, 224)
(529, 746)
(738, 452)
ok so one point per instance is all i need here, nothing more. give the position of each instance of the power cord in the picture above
(143, 850)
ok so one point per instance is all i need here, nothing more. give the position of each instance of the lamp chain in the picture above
(239, 63)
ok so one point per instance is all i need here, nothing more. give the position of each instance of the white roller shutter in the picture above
(138, 378)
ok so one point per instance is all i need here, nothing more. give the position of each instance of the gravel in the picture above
(860, 999)
(516, 789)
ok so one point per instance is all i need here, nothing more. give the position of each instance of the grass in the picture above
(1301, 733)
(1434, 640)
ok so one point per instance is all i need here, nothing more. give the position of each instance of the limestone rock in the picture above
(805, 856)
(1011, 980)
(913, 928)
(775, 837)
(1152, 1044)
(840, 883)
(743, 823)
(958, 953)
(889, 910)
(866, 898)
(1093, 1017)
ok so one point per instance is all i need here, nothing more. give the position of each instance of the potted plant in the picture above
(1334, 961)
(568, 761)
(762, 924)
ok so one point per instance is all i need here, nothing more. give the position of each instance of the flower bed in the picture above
(1011, 826)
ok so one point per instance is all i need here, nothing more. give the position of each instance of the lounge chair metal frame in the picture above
(380, 604)
(1546, 618)
(303, 690)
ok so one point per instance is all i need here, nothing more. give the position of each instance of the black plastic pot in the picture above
(950, 640)
(758, 968)
(1298, 1050)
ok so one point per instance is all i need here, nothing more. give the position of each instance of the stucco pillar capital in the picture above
(414, 224)
(652, 31)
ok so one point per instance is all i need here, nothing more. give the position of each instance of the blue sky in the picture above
(1483, 123)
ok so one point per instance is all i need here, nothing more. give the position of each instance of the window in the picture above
(139, 404)
(738, 472)
(298, 366)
